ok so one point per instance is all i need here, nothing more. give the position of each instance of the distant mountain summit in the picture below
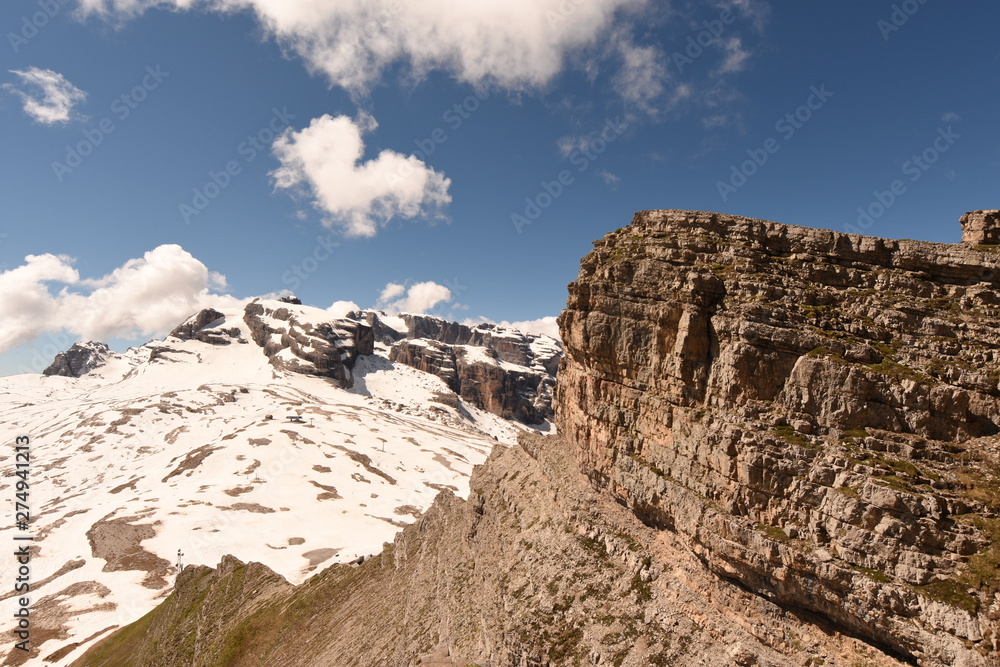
(79, 359)
(504, 371)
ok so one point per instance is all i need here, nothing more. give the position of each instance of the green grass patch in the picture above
(952, 592)
(875, 575)
(775, 533)
(788, 434)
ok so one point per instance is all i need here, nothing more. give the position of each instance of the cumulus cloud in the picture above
(47, 96)
(416, 299)
(513, 43)
(325, 160)
(391, 292)
(147, 296)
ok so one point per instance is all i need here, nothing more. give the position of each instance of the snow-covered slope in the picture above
(188, 445)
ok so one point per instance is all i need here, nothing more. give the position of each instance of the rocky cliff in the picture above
(778, 446)
(813, 413)
(79, 359)
(504, 371)
(300, 345)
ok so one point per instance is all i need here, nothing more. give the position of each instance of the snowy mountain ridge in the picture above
(272, 433)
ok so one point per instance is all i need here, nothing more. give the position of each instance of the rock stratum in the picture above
(777, 446)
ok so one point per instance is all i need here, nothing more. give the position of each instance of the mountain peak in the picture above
(79, 359)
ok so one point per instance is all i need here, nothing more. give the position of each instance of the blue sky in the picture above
(407, 157)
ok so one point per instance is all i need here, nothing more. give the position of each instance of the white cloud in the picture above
(416, 299)
(391, 291)
(609, 178)
(736, 56)
(756, 11)
(147, 296)
(950, 117)
(47, 96)
(516, 44)
(568, 145)
(640, 81)
(324, 159)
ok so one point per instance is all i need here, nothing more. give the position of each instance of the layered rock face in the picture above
(506, 372)
(814, 414)
(328, 349)
(79, 359)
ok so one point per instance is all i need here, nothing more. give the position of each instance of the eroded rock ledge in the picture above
(813, 413)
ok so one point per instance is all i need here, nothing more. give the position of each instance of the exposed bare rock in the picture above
(500, 370)
(981, 228)
(328, 349)
(813, 413)
(79, 359)
(206, 326)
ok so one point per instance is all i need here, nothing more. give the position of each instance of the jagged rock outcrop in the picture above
(79, 359)
(777, 446)
(328, 349)
(206, 327)
(506, 372)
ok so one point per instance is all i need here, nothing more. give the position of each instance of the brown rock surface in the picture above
(981, 228)
(814, 414)
(79, 359)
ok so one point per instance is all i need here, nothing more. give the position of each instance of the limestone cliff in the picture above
(812, 413)
(777, 446)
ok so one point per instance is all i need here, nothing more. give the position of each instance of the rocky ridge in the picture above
(777, 446)
(79, 359)
(503, 371)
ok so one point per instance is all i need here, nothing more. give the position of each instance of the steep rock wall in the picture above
(814, 413)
